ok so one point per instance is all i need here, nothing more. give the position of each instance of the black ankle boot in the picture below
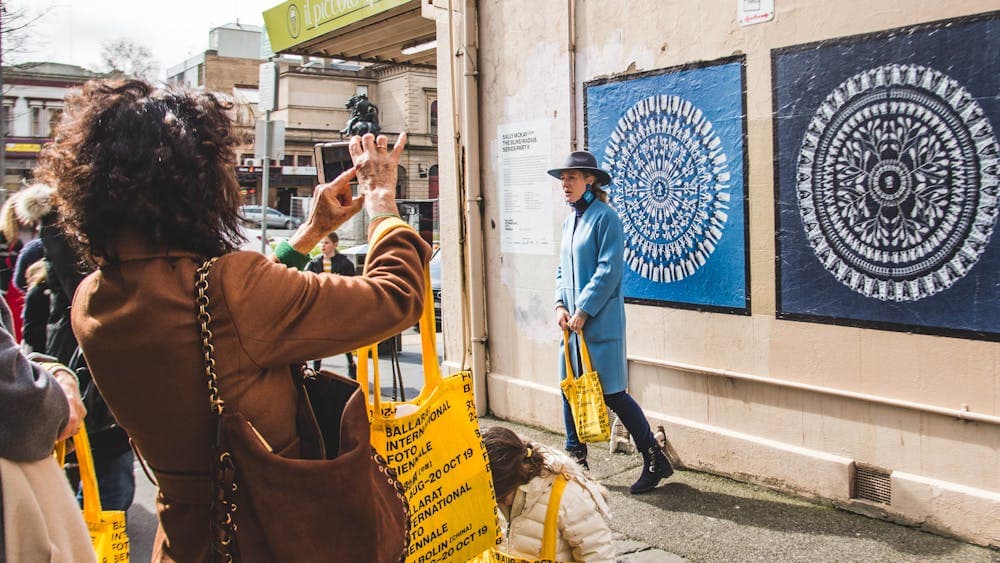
(655, 467)
(580, 456)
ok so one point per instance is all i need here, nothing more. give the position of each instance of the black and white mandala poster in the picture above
(673, 142)
(887, 171)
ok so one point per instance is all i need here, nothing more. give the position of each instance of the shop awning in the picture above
(379, 31)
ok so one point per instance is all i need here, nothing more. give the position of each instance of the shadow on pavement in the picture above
(793, 516)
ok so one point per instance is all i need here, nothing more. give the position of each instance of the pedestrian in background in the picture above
(589, 293)
(16, 234)
(113, 456)
(523, 476)
(331, 261)
(146, 185)
(36, 309)
(28, 203)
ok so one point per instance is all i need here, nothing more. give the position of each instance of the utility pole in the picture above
(265, 182)
(268, 98)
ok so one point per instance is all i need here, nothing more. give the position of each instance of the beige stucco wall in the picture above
(801, 440)
(222, 73)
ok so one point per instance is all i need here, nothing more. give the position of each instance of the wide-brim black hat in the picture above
(584, 162)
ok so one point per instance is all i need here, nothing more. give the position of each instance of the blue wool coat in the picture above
(589, 277)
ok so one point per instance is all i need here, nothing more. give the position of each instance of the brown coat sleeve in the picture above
(283, 315)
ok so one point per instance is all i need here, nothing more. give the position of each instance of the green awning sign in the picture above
(296, 21)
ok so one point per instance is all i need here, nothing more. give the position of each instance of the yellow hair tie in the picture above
(528, 455)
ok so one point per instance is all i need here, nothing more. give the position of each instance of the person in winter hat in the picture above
(589, 293)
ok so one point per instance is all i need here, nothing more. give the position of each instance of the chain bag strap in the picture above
(223, 469)
(334, 460)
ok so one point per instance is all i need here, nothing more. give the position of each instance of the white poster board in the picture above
(755, 11)
(525, 189)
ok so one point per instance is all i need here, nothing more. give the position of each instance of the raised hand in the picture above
(376, 166)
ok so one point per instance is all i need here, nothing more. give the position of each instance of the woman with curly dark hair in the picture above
(524, 478)
(146, 185)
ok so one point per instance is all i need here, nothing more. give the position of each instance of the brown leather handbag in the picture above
(338, 501)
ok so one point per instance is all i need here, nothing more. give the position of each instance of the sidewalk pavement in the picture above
(702, 517)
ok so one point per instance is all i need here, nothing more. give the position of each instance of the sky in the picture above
(72, 31)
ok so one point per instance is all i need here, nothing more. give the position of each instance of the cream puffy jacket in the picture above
(583, 531)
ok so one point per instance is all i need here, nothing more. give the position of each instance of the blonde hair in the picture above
(599, 192)
(9, 223)
(36, 273)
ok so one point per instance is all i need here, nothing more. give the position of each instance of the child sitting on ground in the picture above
(523, 477)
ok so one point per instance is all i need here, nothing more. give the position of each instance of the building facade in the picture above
(33, 98)
(805, 317)
(312, 97)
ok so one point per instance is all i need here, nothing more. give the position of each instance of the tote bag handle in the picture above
(428, 341)
(88, 475)
(584, 355)
(551, 517)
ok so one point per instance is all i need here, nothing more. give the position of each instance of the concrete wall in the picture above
(774, 429)
(234, 40)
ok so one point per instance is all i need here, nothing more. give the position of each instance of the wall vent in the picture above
(872, 484)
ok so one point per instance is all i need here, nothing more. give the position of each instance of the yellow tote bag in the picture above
(107, 527)
(585, 395)
(548, 551)
(434, 444)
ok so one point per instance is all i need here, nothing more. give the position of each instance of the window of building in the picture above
(289, 160)
(361, 89)
(36, 122)
(433, 187)
(433, 120)
(201, 74)
(7, 119)
(55, 115)
(305, 160)
(400, 182)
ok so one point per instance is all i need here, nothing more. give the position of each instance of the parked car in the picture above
(275, 218)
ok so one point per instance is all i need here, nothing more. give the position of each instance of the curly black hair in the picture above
(131, 158)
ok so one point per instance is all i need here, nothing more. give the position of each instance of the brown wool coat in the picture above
(137, 327)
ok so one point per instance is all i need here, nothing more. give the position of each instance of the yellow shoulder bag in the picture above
(585, 395)
(107, 527)
(433, 443)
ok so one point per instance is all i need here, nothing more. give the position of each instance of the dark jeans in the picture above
(115, 481)
(628, 412)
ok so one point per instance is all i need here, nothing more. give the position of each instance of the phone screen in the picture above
(332, 159)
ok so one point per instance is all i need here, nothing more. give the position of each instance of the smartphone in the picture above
(331, 160)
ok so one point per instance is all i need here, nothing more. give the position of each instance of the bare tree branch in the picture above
(15, 24)
(129, 58)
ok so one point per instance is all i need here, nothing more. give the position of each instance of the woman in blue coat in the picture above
(589, 292)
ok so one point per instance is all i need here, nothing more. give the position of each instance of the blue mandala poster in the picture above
(674, 142)
(887, 170)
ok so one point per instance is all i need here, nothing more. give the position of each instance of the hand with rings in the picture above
(376, 167)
